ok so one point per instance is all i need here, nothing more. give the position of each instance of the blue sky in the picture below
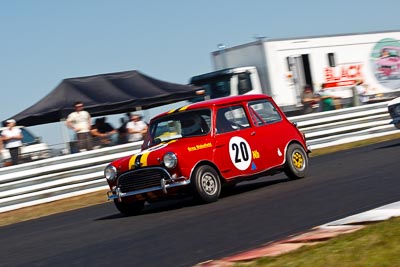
(43, 42)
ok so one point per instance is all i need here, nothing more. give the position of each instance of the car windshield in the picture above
(28, 138)
(182, 124)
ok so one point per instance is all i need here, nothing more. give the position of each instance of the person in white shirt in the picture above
(80, 122)
(136, 128)
(359, 94)
(11, 138)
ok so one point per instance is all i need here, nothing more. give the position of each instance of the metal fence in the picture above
(76, 174)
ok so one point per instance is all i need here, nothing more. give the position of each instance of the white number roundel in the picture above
(240, 153)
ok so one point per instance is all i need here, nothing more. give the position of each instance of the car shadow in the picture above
(388, 146)
(158, 207)
(189, 201)
(244, 187)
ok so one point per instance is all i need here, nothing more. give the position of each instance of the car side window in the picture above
(263, 112)
(231, 119)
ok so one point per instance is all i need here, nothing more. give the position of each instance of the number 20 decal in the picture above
(240, 153)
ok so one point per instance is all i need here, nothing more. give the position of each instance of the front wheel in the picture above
(296, 165)
(206, 184)
(129, 208)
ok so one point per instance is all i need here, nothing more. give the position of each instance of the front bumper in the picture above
(117, 194)
(145, 180)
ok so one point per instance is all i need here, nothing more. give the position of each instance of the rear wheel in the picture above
(129, 208)
(206, 184)
(296, 165)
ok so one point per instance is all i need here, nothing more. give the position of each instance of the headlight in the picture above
(110, 172)
(170, 160)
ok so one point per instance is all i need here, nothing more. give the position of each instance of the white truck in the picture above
(282, 67)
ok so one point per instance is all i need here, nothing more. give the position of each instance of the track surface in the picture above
(181, 233)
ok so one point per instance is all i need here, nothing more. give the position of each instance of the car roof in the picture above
(217, 102)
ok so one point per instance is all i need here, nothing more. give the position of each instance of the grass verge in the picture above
(375, 245)
(78, 202)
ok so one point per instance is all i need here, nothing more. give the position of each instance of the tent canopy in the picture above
(104, 94)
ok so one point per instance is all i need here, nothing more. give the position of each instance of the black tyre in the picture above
(206, 184)
(129, 208)
(296, 165)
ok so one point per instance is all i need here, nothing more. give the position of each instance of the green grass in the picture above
(375, 245)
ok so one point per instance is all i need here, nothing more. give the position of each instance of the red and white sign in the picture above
(343, 75)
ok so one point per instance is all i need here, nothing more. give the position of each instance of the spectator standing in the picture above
(327, 99)
(12, 139)
(80, 122)
(122, 131)
(136, 128)
(309, 100)
(359, 94)
(103, 132)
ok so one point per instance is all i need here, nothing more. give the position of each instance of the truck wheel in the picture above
(206, 184)
(129, 208)
(296, 165)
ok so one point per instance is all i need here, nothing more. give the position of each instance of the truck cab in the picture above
(228, 82)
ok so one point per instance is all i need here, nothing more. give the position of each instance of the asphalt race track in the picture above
(181, 233)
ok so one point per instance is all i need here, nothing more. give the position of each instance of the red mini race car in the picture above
(201, 147)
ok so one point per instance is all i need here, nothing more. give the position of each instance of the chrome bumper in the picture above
(117, 194)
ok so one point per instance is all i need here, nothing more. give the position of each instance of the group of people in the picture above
(325, 100)
(101, 133)
(88, 135)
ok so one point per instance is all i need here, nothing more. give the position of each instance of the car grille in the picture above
(142, 179)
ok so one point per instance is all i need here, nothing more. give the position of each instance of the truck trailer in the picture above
(282, 68)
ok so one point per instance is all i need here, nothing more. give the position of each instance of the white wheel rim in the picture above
(209, 183)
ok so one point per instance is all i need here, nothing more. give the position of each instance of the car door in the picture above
(236, 144)
(270, 127)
